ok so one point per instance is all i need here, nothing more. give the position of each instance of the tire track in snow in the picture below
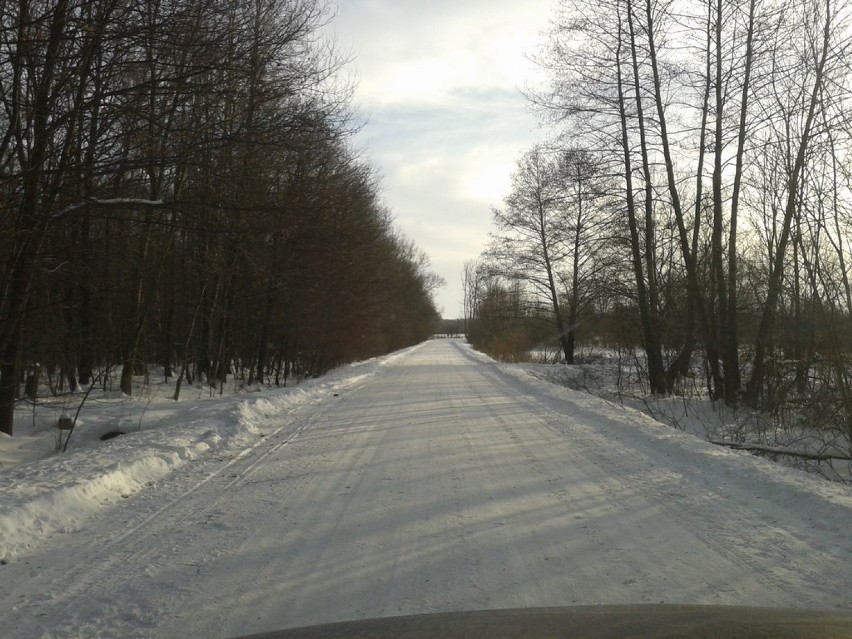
(679, 473)
(623, 471)
(110, 558)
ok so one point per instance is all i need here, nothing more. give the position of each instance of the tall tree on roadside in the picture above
(818, 58)
(177, 172)
(532, 241)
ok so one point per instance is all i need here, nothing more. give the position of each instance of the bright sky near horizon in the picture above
(439, 86)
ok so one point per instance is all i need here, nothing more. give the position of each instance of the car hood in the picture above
(593, 622)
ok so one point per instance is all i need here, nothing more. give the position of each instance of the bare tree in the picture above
(176, 184)
(533, 240)
(822, 31)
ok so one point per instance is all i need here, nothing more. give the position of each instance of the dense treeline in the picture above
(176, 187)
(699, 185)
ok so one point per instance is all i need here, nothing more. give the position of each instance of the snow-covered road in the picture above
(443, 482)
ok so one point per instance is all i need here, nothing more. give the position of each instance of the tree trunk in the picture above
(567, 348)
(717, 272)
(30, 229)
(85, 356)
(574, 302)
(9, 387)
(733, 379)
(266, 322)
(656, 371)
(754, 387)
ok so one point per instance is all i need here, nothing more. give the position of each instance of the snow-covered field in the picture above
(430, 480)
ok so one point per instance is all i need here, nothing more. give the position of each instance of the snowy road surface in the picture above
(443, 482)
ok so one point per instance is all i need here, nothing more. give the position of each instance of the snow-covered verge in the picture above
(47, 492)
(782, 440)
(726, 470)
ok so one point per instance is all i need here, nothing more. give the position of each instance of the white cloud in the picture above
(489, 173)
(439, 84)
(416, 51)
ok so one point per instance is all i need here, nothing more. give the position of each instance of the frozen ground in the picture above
(433, 480)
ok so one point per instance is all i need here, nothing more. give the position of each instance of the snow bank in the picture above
(793, 444)
(61, 492)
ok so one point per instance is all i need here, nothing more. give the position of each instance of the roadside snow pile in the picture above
(823, 452)
(57, 493)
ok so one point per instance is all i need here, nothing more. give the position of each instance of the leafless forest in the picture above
(178, 188)
(694, 202)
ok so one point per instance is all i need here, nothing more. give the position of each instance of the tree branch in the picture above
(771, 450)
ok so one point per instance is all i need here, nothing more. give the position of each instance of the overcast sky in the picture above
(439, 87)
